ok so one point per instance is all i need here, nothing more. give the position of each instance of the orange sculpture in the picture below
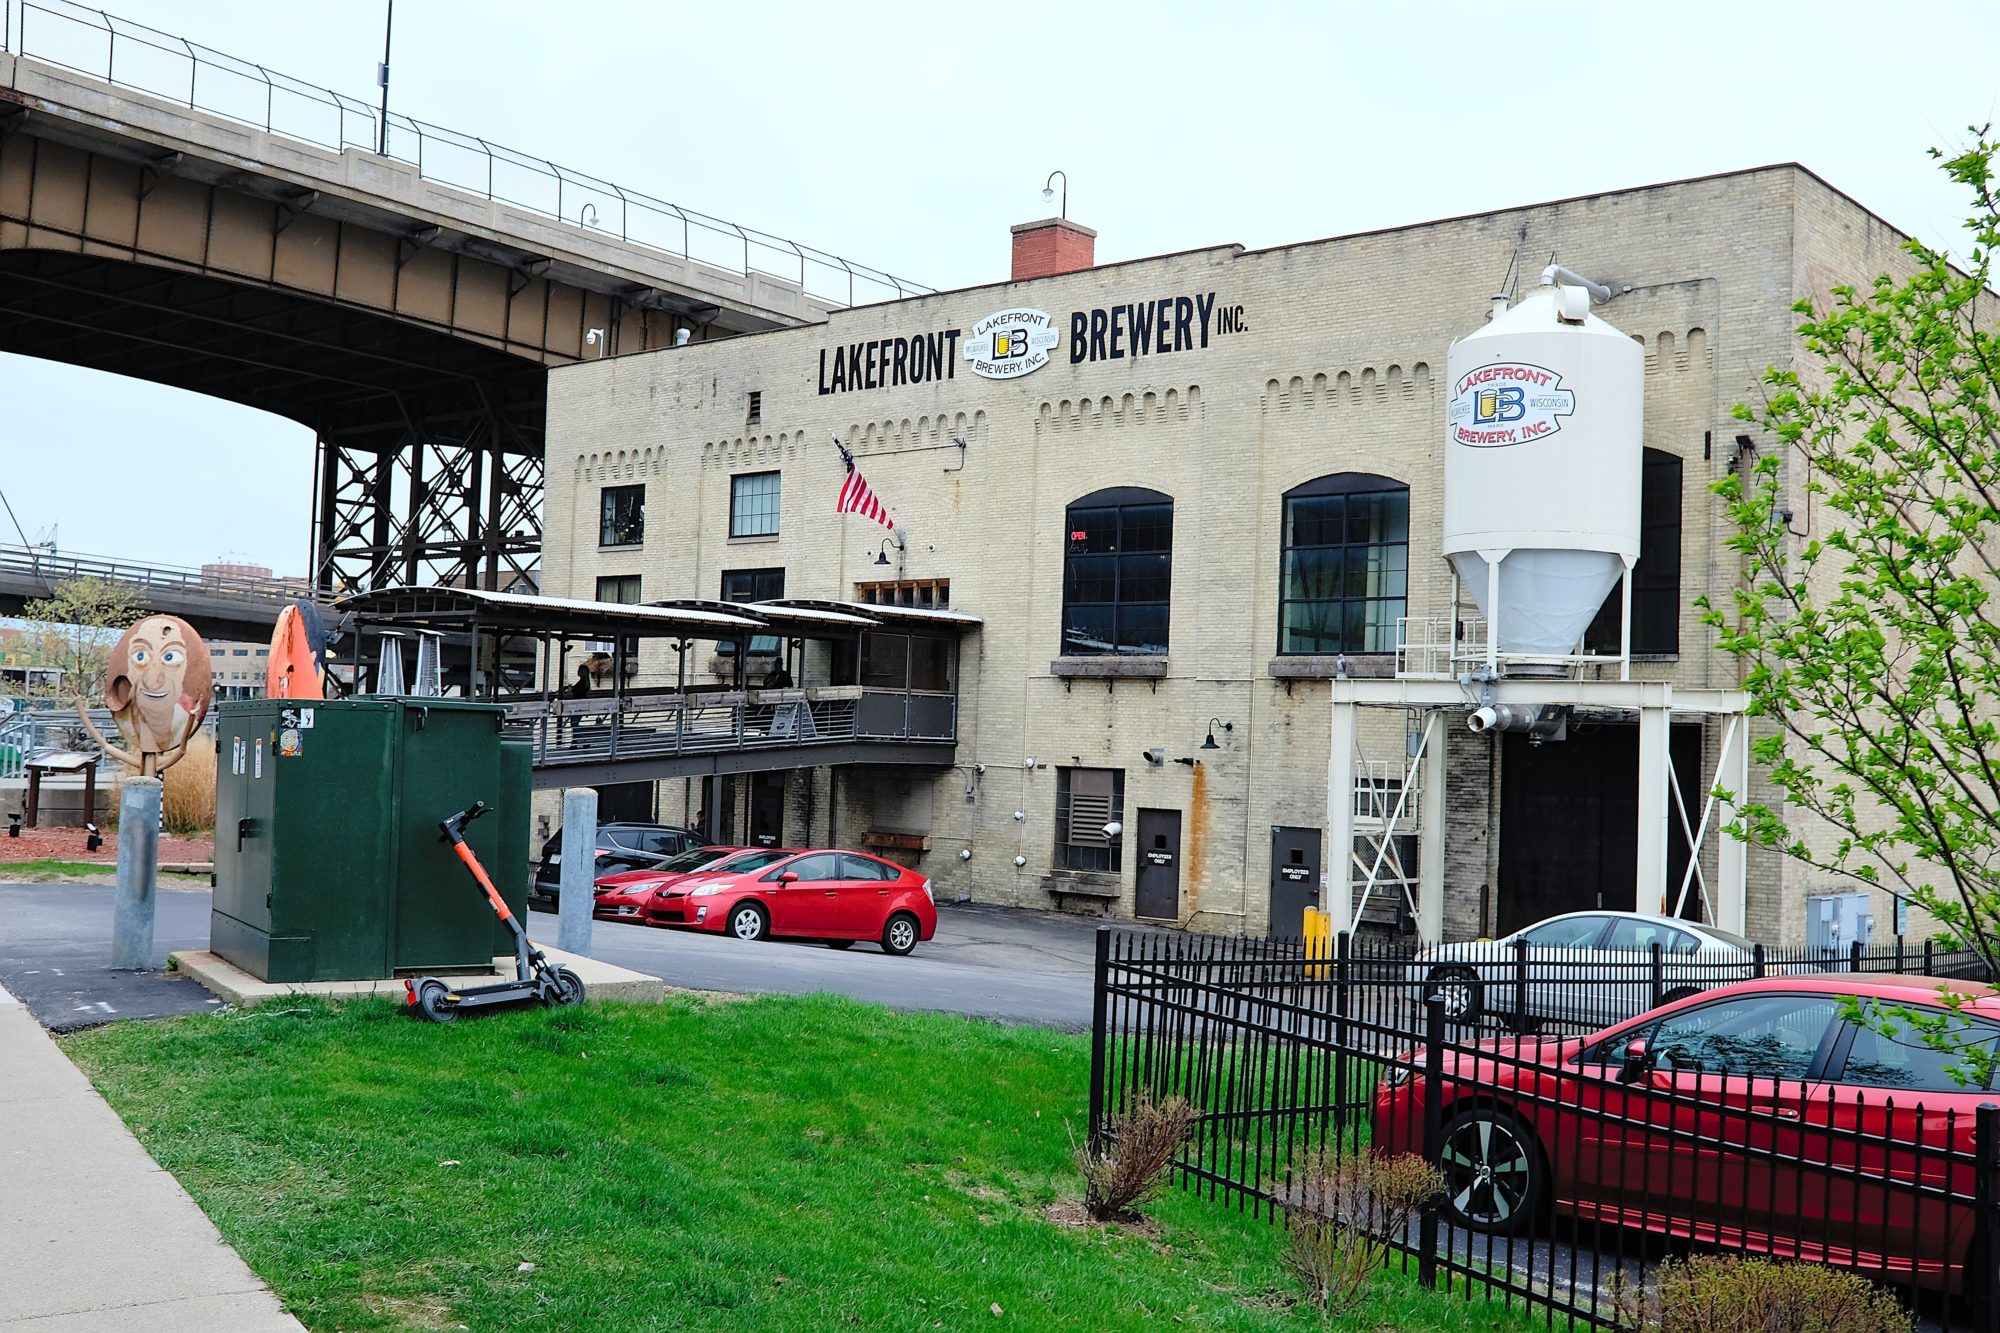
(157, 688)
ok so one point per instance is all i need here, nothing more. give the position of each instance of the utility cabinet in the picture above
(328, 861)
(1836, 921)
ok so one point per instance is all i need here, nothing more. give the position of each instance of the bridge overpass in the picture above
(219, 606)
(175, 214)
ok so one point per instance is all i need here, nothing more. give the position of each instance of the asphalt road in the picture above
(55, 955)
(989, 962)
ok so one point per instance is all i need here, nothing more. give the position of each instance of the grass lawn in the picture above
(772, 1164)
(29, 872)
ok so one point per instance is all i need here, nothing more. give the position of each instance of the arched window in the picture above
(1656, 579)
(1118, 573)
(1344, 575)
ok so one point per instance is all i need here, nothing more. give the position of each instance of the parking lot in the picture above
(989, 962)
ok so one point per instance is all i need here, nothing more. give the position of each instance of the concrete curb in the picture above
(601, 981)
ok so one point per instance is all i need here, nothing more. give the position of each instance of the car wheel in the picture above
(747, 921)
(432, 1004)
(900, 935)
(1494, 1178)
(568, 987)
(840, 944)
(1464, 1000)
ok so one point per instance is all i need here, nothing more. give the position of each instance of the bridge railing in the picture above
(132, 55)
(50, 568)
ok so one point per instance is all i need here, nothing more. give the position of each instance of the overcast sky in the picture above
(909, 137)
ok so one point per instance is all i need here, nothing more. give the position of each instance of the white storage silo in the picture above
(1543, 451)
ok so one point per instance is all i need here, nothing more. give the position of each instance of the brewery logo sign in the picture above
(1008, 344)
(1509, 402)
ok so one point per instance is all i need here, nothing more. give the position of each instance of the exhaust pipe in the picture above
(1548, 723)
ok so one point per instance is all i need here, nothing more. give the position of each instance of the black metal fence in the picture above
(1573, 1169)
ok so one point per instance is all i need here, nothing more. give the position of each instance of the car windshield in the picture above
(694, 860)
(756, 860)
(1723, 936)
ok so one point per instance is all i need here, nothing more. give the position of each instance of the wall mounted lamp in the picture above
(1213, 723)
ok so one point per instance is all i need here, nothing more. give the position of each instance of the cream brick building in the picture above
(1314, 369)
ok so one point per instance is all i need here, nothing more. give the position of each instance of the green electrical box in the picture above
(328, 861)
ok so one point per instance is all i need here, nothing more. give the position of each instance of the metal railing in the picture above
(50, 568)
(132, 55)
(1294, 1061)
(30, 731)
(637, 729)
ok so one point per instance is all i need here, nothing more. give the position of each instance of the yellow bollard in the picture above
(1319, 940)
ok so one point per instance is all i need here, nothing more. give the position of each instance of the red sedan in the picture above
(1753, 1116)
(836, 896)
(624, 895)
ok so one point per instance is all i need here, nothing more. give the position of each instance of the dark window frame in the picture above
(761, 589)
(738, 520)
(1656, 578)
(1124, 564)
(628, 530)
(1080, 840)
(1381, 624)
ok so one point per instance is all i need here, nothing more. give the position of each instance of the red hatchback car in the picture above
(836, 896)
(1762, 1079)
(668, 904)
(625, 895)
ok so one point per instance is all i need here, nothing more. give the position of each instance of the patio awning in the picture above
(909, 619)
(456, 609)
(800, 622)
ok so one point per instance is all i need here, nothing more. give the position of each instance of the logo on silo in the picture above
(1011, 343)
(1508, 403)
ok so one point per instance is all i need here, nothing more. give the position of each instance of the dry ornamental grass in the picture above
(187, 799)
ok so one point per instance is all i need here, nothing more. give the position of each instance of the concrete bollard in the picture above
(138, 873)
(579, 870)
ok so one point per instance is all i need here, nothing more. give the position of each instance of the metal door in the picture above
(767, 809)
(1294, 878)
(1158, 892)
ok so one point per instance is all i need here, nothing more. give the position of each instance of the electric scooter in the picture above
(535, 979)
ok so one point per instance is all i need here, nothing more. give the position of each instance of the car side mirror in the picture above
(1638, 1061)
(788, 877)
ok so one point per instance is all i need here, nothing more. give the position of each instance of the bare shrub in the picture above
(1139, 1147)
(187, 795)
(1346, 1206)
(1727, 1294)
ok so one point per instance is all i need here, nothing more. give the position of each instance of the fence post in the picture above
(1341, 945)
(1930, 959)
(1098, 1010)
(1854, 956)
(1520, 987)
(1983, 1279)
(1757, 959)
(1427, 1226)
(1657, 977)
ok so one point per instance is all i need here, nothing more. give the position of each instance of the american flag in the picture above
(855, 497)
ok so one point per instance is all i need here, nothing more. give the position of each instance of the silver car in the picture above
(1587, 968)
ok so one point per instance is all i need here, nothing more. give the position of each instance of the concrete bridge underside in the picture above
(408, 325)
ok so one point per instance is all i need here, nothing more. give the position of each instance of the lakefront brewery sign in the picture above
(1010, 343)
(1509, 402)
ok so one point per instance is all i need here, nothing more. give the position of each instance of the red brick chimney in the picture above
(1051, 246)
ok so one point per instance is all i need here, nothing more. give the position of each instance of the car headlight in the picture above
(704, 890)
(1399, 1070)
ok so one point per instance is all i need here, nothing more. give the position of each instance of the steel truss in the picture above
(441, 502)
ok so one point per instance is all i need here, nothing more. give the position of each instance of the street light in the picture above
(1049, 189)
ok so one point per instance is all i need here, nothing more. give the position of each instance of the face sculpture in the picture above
(157, 689)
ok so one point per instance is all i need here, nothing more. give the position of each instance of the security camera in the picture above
(979, 768)
(681, 337)
(1029, 762)
(1020, 814)
(1113, 829)
(965, 853)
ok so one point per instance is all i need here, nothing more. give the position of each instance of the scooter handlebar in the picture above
(454, 827)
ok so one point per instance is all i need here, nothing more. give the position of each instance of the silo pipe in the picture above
(1555, 273)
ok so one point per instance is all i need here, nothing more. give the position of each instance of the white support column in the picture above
(1732, 854)
(1430, 832)
(1339, 857)
(1654, 719)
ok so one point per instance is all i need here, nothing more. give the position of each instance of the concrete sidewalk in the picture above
(94, 1236)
